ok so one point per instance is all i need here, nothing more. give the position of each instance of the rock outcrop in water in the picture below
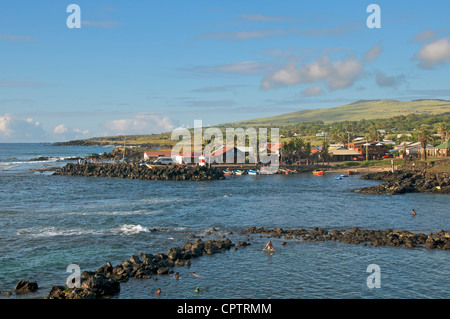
(106, 280)
(25, 286)
(399, 182)
(136, 171)
(389, 237)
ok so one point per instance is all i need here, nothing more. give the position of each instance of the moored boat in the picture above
(227, 172)
(252, 172)
(319, 173)
(354, 172)
(268, 171)
(239, 172)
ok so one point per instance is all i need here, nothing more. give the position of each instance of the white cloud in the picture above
(16, 38)
(142, 123)
(60, 129)
(241, 35)
(241, 68)
(425, 36)
(434, 53)
(263, 18)
(373, 53)
(68, 133)
(100, 24)
(14, 129)
(315, 90)
(337, 74)
(390, 81)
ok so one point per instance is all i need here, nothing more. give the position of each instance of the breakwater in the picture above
(137, 171)
(106, 280)
(388, 237)
(399, 182)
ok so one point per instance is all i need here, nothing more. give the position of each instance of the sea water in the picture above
(49, 222)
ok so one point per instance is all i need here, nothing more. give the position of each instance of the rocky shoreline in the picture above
(388, 237)
(407, 181)
(106, 280)
(136, 171)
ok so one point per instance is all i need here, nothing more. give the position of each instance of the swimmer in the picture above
(269, 246)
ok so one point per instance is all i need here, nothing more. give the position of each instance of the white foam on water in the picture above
(130, 229)
(6, 166)
(116, 213)
(54, 231)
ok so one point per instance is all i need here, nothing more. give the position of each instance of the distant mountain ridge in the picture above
(363, 109)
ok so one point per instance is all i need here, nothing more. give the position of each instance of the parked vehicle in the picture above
(164, 161)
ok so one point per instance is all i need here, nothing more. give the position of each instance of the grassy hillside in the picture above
(373, 109)
(368, 110)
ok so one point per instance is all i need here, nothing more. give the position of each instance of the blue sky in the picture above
(137, 67)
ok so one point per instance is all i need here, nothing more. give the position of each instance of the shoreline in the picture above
(105, 281)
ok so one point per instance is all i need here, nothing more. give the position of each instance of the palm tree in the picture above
(324, 152)
(424, 136)
(442, 129)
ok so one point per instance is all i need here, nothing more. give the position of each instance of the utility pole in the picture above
(124, 143)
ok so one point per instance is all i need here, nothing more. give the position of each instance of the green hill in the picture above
(369, 109)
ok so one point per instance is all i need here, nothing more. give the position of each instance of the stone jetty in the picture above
(399, 182)
(388, 237)
(137, 171)
(105, 281)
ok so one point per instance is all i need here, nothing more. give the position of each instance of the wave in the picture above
(53, 231)
(116, 213)
(121, 230)
(130, 229)
(6, 166)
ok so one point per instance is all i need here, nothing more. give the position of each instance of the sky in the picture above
(143, 67)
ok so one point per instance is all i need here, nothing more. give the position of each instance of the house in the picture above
(153, 155)
(442, 149)
(371, 150)
(412, 148)
(321, 135)
(343, 154)
(271, 147)
(230, 154)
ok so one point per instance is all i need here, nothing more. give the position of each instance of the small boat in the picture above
(252, 172)
(268, 171)
(354, 172)
(338, 178)
(319, 173)
(239, 172)
(344, 175)
(227, 172)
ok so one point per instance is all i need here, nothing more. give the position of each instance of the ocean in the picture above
(49, 222)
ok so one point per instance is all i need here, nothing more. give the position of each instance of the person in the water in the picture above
(269, 246)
